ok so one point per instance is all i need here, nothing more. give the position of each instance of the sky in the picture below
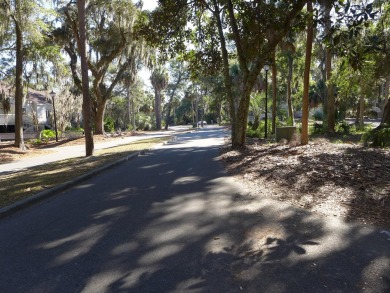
(149, 4)
(145, 73)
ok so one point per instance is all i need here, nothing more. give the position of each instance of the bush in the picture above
(377, 137)
(109, 124)
(317, 128)
(36, 141)
(147, 126)
(74, 129)
(259, 132)
(343, 127)
(48, 134)
(282, 114)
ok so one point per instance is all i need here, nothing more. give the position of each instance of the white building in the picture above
(37, 109)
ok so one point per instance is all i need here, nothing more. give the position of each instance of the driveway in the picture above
(172, 220)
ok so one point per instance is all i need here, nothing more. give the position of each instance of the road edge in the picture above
(42, 195)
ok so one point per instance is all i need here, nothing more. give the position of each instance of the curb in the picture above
(40, 196)
(24, 203)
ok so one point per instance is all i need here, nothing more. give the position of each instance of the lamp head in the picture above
(52, 94)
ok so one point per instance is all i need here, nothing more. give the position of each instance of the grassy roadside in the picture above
(20, 185)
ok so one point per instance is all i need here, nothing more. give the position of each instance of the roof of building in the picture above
(39, 97)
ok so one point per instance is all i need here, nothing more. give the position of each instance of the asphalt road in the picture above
(173, 221)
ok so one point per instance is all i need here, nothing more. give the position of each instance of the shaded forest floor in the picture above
(334, 179)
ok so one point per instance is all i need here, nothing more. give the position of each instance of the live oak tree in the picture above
(245, 31)
(82, 43)
(326, 6)
(114, 50)
(21, 27)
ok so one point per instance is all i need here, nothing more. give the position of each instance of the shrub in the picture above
(36, 141)
(343, 127)
(109, 124)
(147, 126)
(282, 114)
(377, 137)
(48, 134)
(317, 128)
(259, 132)
(74, 129)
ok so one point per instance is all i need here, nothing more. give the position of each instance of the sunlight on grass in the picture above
(20, 185)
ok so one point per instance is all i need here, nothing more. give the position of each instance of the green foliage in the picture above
(282, 114)
(144, 122)
(147, 127)
(109, 124)
(343, 127)
(48, 134)
(259, 132)
(36, 141)
(290, 121)
(377, 137)
(317, 128)
(69, 128)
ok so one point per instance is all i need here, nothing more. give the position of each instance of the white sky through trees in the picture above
(149, 4)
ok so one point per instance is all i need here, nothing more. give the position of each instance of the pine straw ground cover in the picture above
(22, 184)
(337, 180)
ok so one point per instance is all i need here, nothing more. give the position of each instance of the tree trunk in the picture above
(239, 137)
(329, 94)
(128, 102)
(87, 111)
(386, 116)
(19, 142)
(289, 98)
(99, 116)
(133, 111)
(306, 78)
(250, 70)
(361, 112)
(168, 117)
(385, 96)
(196, 109)
(157, 109)
(274, 93)
(328, 68)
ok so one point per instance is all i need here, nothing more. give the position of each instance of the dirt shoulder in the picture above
(337, 180)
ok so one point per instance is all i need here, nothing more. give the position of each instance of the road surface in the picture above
(172, 220)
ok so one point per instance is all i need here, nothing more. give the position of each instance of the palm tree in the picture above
(159, 80)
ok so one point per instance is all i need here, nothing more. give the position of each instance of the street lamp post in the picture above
(266, 68)
(53, 94)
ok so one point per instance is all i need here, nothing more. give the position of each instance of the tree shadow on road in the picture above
(157, 224)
